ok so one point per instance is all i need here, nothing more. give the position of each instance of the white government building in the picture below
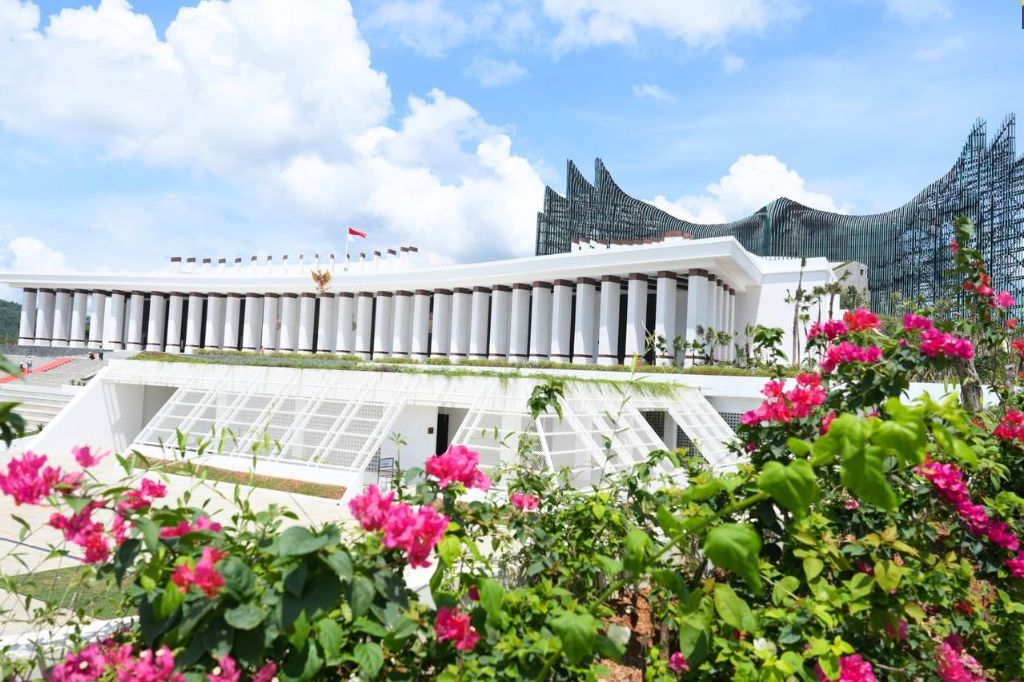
(596, 305)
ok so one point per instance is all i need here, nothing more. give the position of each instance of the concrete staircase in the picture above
(42, 395)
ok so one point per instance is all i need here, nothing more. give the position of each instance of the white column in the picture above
(27, 324)
(346, 323)
(698, 307)
(97, 317)
(288, 338)
(79, 314)
(462, 312)
(665, 316)
(252, 325)
(113, 323)
(681, 312)
(636, 317)
(155, 326)
(327, 323)
(44, 317)
(719, 314)
(271, 311)
(587, 313)
(561, 321)
(608, 325)
(232, 314)
(214, 333)
(175, 312)
(478, 325)
(401, 342)
(194, 323)
(364, 324)
(133, 329)
(420, 344)
(307, 322)
(441, 324)
(519, 324)
(383, 324)
(61, 318)
(540, 322)
(501, 312)
(730, 323)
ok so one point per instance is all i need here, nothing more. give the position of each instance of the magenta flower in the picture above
(524, 501)
(453, 625)
(29, 482)
(225, 671)
(935, 342)
(417, 533)
(912, 321)
(853, 668)
(150, 667)
(85, 666)
(1011, 426)
(846, 352)
(458, 464)
(266, 673)
(830, 329)
(85, 457)
(677, 663)
(1016, 565)
(860, 319)
(784, 406)
(371, 508)
(1003, 300)
(142, 497)
(204, 575)
(203, 522)
(953, 665)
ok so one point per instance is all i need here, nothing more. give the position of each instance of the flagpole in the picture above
(348, 238)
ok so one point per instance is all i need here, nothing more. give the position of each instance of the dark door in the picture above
(442, 433)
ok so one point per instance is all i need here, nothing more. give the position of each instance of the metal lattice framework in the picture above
(906, 249)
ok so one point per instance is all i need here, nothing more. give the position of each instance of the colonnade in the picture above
(583, 321)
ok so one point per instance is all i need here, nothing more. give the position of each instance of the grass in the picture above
(73, 588)
(209, 473)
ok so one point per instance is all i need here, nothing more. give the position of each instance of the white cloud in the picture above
(753, 181)
(431, 28)
(493, 72)
(698, 23)
(278, 98)
(733, 63)
(651, 91)
(946, 48)
(29, 253)
(919, 10)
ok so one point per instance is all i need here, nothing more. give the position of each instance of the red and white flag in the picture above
(353, 232)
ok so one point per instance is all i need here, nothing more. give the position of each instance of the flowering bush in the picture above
(864, 538)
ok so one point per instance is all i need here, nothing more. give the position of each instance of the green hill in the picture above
(10, 318)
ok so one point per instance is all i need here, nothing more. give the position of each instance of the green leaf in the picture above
(297, 541)
(340, 563)
(784, 589)
(812, 567)
(636, 545)
(888, 574)
(370, 658)
(150, 533)
(733, 610)
(244, 616)
(794, 486)
(449, 549)
(666, 521)
(577, 632)
(797, 446)
(735, 547)
(361, 593)
(491, 598)
(862, 473)
(904, 434)
(331, 638)
(170, 600)
(237, 576)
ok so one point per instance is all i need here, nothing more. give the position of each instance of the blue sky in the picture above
(132, 132)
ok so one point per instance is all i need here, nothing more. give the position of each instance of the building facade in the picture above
(906, 250)
(596, 304)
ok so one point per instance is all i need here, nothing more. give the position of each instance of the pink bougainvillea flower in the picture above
(524, 501)
(985, 290)
(1003, 300)
(28, 481)
(826, 422)
(953, 665)
(473, 593)
(417, 533)
(266, 673)
(954, 246)
(85, 666)
(1016, 565)
(846, 352)
(853, 668)
(204, 575)
(1011, 426)
(97, 548)
(225, 671)
(141, 498)
(784, 406)
(203, 522)
(85, 456)
(677, 663)
(831, 329)
(851, 504)
(860, 320)
(935, 342)
(78, 525)
(150, 667)
(912, 321)
(1002, 535)
(458, 464)
(371, 508)
(453, 625)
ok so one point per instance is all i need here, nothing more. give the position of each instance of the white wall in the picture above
(413, 425)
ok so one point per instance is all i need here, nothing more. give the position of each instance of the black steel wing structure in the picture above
(906, 249)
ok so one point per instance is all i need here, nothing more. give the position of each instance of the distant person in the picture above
(29, 363)
(101, 356)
